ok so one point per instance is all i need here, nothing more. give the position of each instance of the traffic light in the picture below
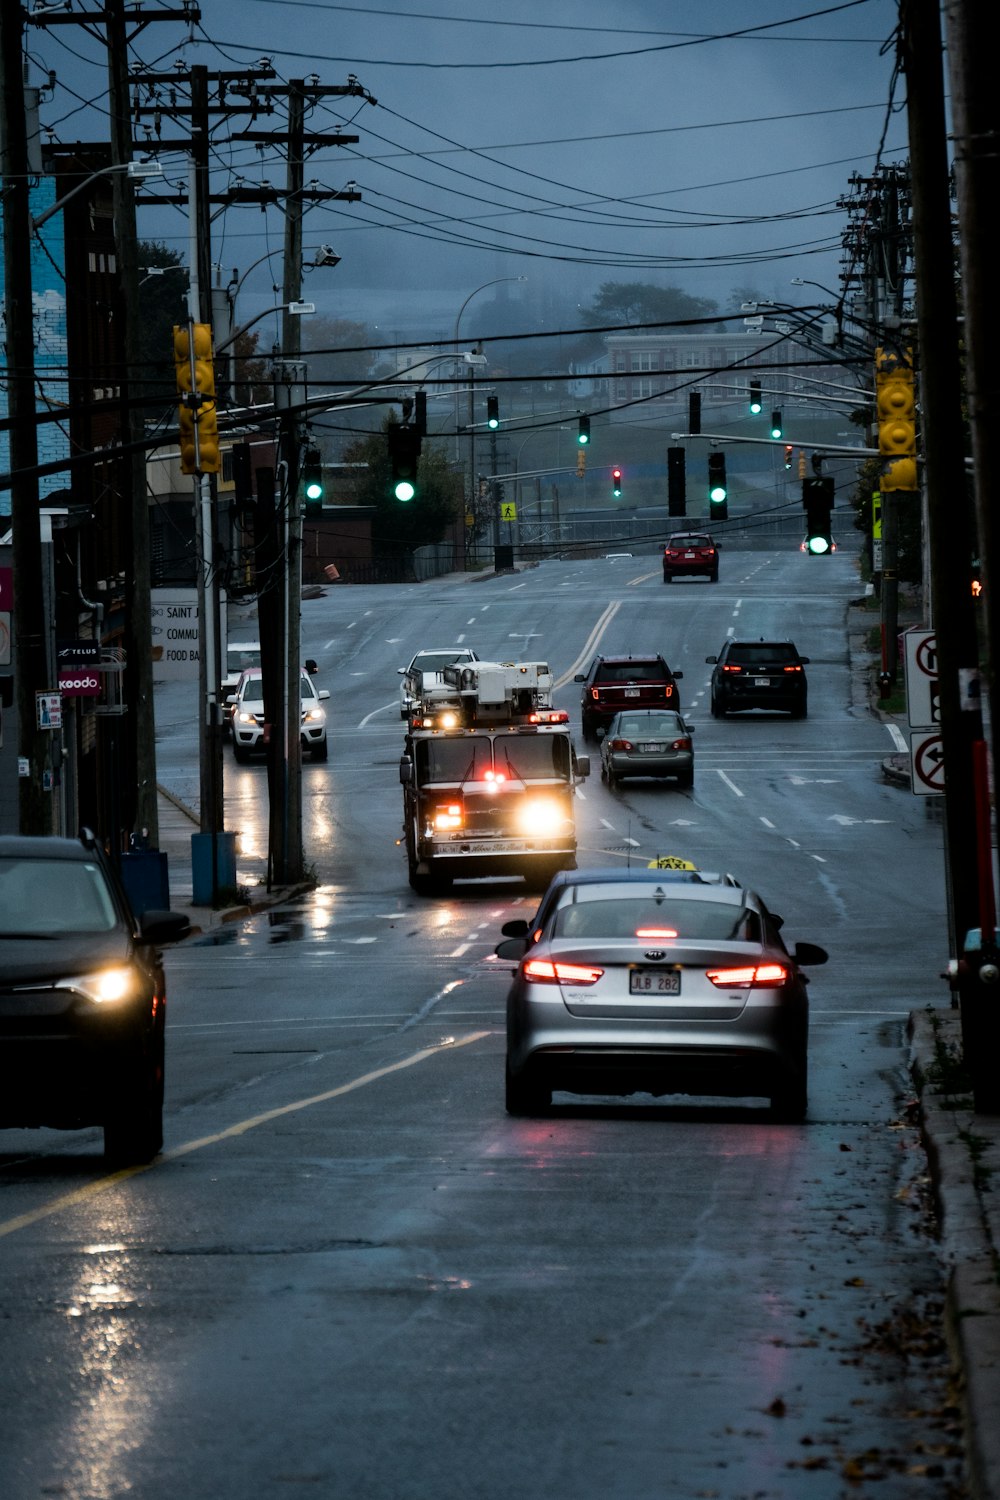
(312, 481)
(897, 430)
(616, 483)
(199, 433)
(676, 483)
(718, 494)
(694, 412)
(789, 450)
(404, 454)
(817, 498)
(755, 401)
(776, 427)
(583, 436)
(493, 412)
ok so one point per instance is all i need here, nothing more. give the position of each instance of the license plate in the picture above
(631, 692)
(654, 981)
(652, 749)
(689, 554)
(762, 682)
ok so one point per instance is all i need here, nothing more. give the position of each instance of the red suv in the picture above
(690, 552)
(617, 682)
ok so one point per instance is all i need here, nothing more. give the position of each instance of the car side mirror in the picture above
(810, 954)
(582, 766)
(164, 926)
(401, 671)
(804, 660)
(678, 675)
(231, 698)
(324, 693)
(516, 927)
(711, 658)
(512, 948)
(580, 677)
(688, 728)
(405, 770)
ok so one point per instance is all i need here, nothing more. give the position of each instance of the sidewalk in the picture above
(177, 823)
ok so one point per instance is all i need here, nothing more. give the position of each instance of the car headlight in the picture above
(542, 815)
(245, 718)
(105, 986)
(314, 716)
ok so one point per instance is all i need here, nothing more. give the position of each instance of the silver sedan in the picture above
(658, 982)
(648, 742)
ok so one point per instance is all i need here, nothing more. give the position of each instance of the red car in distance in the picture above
(690, 554)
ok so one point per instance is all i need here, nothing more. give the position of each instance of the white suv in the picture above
(422, 678)
(248, 716)
(239, 656)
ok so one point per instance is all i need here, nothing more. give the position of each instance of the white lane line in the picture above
(730, 784)
(364, 721)
(897, 737)
(357, 941)
(515, 586)
(460, 638)
(460, 951)
(472, 621)
(633, 842)
(818, 857)
(766, 821)
(794, 843)
(608, 825)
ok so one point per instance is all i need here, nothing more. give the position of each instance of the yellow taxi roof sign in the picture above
(670, 862)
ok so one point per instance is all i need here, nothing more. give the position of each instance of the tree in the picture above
(337, 352)
(400, 528)
(163, 290)
(641, 302)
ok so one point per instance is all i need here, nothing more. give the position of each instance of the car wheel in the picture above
(714, 577)
(320, 751)
(133, 1134)
(588, 730)
(790, 1099)
(604, 771)
(686, 779)
(668, 578)
(800, 709)
(524, 1098)
(240, 754)
(718, 712)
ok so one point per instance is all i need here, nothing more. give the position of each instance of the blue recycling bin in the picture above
(146, 881)
(203, 886)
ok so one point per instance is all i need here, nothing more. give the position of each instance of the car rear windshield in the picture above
(689, 541)
(650, 726)
(635, 916)
(653, 670)
(48, 897)
(436, 661)
(760, 655)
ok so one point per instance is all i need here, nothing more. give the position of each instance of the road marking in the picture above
(367, 717)
(633, 842)
(730, 784)
(609, 826)
(595, 635)
(102, 1185)
(460, 951)
(766, 821)
(898, 738)
(515, 586)
(819, 858)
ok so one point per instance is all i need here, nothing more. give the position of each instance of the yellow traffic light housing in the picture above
(199, 433)
(897, 421)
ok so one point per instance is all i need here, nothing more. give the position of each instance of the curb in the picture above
(965, 1209)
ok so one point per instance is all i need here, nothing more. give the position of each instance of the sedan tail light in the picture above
(544, 971)
(796, 668)
(623, 745)
(750, 976)
(728, 668)
(681, 745)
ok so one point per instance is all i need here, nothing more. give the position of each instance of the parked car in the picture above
(759, 674)
(248, 717)
(617, 682)
(659, 982)
(647, 742)
(422, 678)
(690, 554)
(82, 997)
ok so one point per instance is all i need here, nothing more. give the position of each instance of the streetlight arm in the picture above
(130, 168)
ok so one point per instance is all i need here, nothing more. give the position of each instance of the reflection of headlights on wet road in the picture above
(542, 815)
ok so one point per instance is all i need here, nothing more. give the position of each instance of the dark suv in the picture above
(690, 554)
(758, 674)
(82, 997)
(617, 682)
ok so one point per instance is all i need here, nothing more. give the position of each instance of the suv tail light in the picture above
(731, 668)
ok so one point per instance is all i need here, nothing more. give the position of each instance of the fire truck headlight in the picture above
(542, 815)
(448, 817)
(448, 720)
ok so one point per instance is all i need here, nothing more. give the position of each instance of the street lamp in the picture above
(132, 169)
(495, 282)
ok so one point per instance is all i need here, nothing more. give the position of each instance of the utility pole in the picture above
(35, 804)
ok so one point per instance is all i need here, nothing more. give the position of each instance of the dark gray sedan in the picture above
(647, 742)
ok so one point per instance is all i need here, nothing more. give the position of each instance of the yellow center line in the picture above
(82, 1195)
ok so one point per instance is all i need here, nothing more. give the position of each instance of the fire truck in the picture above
(489, 773)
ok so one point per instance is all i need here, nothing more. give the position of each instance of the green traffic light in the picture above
(717, 494)
(818, 545)
(314, 490)
(405, 489)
